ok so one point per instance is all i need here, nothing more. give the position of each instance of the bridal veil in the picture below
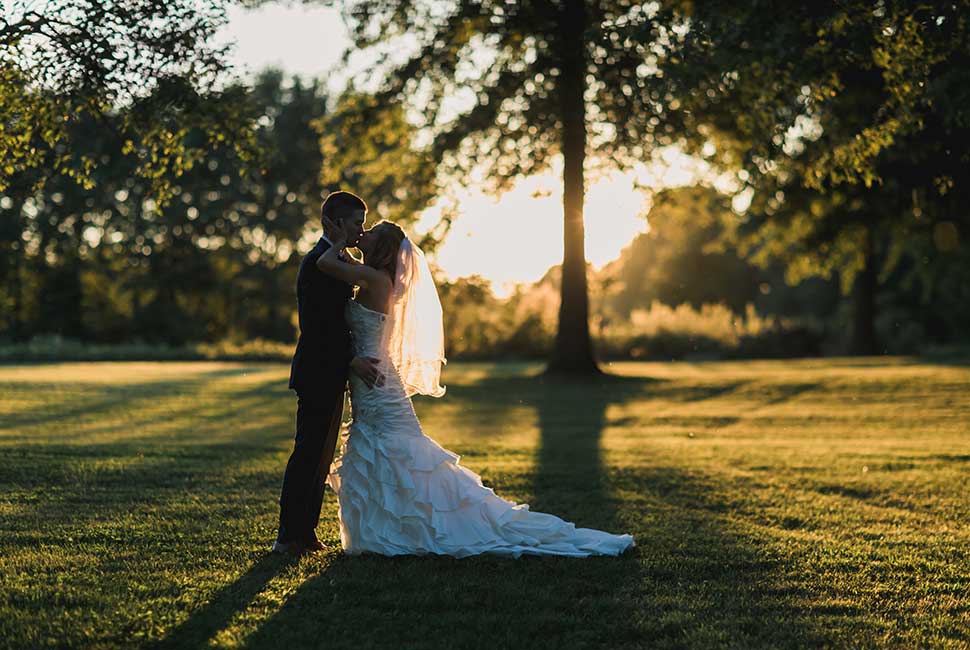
(415, 338)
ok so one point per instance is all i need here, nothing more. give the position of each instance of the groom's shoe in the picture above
(293, 549)
(313, 545)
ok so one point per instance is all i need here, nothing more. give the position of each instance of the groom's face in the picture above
(353, 225)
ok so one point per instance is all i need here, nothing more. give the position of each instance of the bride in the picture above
(399, 492)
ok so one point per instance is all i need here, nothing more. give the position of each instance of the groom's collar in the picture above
(341, 254)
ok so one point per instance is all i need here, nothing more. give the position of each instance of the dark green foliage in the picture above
(372, 151)
(110, 263)
(843, 118)
(151, 64)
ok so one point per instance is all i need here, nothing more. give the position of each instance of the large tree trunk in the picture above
(573, 352)
(17, 279)
(16, 288)
(864, 296)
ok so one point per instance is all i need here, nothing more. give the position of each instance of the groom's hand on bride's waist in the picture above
(366, 369)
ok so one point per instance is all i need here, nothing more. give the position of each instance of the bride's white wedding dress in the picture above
(400, 493)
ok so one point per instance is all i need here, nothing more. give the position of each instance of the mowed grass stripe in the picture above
(775, 504)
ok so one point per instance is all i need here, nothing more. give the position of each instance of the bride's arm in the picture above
(350, 272)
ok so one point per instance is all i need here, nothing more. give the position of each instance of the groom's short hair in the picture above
(337, 205)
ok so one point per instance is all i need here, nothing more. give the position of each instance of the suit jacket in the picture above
(323, 352)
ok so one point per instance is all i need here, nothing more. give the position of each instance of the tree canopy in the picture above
(502, 90)
(153, 64)
(842, 120)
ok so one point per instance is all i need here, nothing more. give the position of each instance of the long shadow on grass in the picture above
(706, 585)
(98, 399)
(144, 471)
(485, 601)
(208, 620)
(91, 400)
(187, 421)
(151, 503)
(690, 583)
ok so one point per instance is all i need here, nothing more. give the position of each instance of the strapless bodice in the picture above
(366, 327)
(381, 406)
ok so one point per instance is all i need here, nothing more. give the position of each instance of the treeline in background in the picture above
(167, 219)
(106, 272)
(683, 290)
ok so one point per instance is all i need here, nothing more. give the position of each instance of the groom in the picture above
(321, 363)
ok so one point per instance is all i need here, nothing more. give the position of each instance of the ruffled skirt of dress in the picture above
(403, 494)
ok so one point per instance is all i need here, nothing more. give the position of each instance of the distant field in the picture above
(789, 504)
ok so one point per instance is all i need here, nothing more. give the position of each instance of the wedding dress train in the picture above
(400, 493)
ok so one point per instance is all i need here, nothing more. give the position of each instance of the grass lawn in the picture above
(786, 504)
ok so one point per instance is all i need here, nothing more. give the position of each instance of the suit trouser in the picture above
(318, 417)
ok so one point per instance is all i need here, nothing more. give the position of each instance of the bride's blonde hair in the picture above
(384, 254)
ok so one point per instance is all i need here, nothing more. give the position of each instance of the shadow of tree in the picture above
(706, 585)
(216, 614)
(376, 602)
(251, 400)
(151, 499)
(93, 399)
(781, 393)
(75, 484)
(97, 399)
(690, 583)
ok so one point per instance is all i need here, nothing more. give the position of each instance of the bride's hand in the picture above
(335, 233)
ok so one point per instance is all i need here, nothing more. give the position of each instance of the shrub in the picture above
(713, 331)
(56, 348)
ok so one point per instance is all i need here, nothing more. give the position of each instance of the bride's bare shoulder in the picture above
(376, 293)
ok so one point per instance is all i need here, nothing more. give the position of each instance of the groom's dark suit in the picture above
(319, 377)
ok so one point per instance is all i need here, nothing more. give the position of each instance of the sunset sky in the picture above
(514, 238)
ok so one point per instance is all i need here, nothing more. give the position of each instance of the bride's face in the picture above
(367, 241)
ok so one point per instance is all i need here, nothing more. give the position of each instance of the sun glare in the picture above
(517, 237)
